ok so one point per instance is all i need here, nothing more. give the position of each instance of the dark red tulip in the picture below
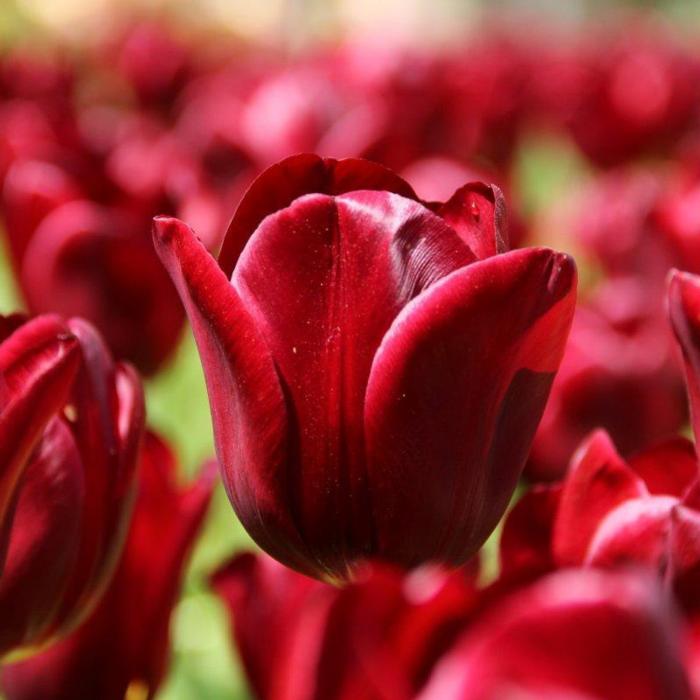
(575, 634)
(75, 495)
(376, 638)
(122, 648)
(38, 362)
(374, 379)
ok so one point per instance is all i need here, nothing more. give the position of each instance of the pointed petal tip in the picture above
(167, 228)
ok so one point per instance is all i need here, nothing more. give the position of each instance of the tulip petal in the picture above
(125, 641)
(324, 280)
(38, 363)
(668, 468)
(455, 393)
(306, 173)
(574, 634)
(44, 538)
(478, 213)
(249, 414)
(599, 480)
(684, 311)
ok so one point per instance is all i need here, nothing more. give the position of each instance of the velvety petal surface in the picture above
(323, 280)
(478, 213)
(278, 186)
(249, 413)
(454, 396)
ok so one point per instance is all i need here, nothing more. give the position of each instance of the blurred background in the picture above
(172, 106)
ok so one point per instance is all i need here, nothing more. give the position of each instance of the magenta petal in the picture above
(598, 481)
(249, 415)
(324, 279)
(684, 310)
(455, 394)
(478, 213)
(282, 183)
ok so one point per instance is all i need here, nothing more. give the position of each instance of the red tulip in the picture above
(576, 634)
(75, 495)
(38, 361)
(376, 638)
(122, 648)
(375, 371)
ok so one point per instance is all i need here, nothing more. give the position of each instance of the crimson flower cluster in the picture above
(467, 476)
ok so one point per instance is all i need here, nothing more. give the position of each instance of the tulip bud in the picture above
(376, 370)
(73, 491)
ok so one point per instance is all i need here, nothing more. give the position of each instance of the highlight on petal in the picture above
(278, 186)
(455, 396)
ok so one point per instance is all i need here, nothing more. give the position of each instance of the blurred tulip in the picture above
(78, 258)
(627, 93)
(576, 634)
(376, 638)
(75, 494)
(359, 337)
(121, 650)
(618, 373)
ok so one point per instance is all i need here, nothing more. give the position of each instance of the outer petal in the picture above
(454, 396)
(324, 279)
(575, 634)
(266, 601)
(122, 647)
(293, 177)
(43, 541)
(108, 426)
(249, 415)
(478, 213)
(684, 311)
(598, 481)
(37, 366)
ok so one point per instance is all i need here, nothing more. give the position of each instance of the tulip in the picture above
(375, 370)
(77, 257)
(575, 634)
(38, 362)
(121, 650)
(74, 498)
(376, 638)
